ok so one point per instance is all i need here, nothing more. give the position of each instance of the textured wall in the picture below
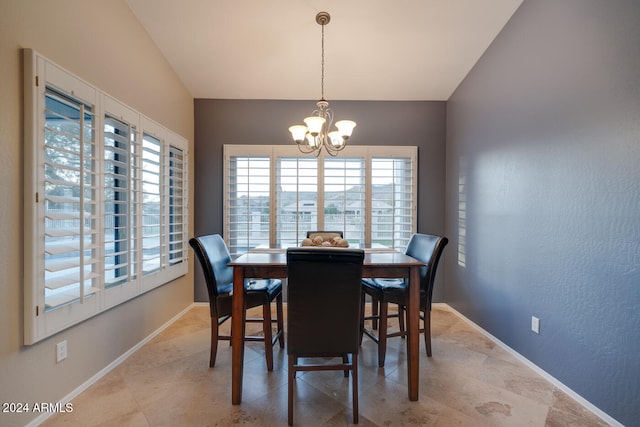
(219, 122)
(543, 195)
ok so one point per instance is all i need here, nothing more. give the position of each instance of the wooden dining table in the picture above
(272, 263)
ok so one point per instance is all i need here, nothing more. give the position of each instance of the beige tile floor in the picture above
(469, 381)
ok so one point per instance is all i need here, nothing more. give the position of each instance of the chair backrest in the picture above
(428, 249)
(323, 300)
(324, 234)
(214, 256)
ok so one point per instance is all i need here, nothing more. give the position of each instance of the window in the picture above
(103, 187)
(177, 206)
(119, 250)
(151, 205)
(296, 199)
(392, 200)
(69, 200)
(344, 197)
(369, 193)
(248, 204)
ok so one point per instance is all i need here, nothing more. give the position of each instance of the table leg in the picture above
(237, 335)
(413, 333)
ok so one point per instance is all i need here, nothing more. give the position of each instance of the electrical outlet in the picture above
(535, 324)
(61, 351)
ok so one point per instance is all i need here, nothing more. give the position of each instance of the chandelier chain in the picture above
(322, 75)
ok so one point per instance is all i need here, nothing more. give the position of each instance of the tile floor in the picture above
(469, 381)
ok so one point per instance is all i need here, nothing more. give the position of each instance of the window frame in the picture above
(42, 75)
(368, 153)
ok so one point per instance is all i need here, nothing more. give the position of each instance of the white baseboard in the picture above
(39, 420)
(581, 400)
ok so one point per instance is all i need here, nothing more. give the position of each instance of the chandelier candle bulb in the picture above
(336, 138)
(312, 141)
(314, 124)
(298, 132)
(345, 128)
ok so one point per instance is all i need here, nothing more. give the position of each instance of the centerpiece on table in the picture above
(336, 241)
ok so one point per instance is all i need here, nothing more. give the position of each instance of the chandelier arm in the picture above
(333, 150)
(312, 150)
(305, 148)
(328, 115)
(340, 147)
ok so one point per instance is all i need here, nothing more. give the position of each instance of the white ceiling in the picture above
(374, 49)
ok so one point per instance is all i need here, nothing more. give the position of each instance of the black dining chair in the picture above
(426, 248)
(214, 256)
(323, 313)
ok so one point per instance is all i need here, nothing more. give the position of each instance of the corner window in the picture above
(105, 201)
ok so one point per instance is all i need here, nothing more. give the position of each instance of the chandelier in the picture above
(316, 134)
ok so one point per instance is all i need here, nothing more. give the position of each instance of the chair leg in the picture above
(280, 315)
(214, 342)
(427, 331)
(354, 386)
(292, 376)
(382, 333)
(362, 314)
(374, 313)
(345, 360)
(266, 327)
(401, 317)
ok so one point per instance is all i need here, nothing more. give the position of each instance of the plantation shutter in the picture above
(296, 199)
(392, 201)
(177, 206)
(118, 236)
(151, 204)
(105, 205)
(247, 211)
(69, 201)
(344, 198)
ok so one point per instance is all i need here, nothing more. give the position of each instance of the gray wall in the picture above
(219, 122)
(544, 136)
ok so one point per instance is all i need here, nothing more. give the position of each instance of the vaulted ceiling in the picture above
(374, 49)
